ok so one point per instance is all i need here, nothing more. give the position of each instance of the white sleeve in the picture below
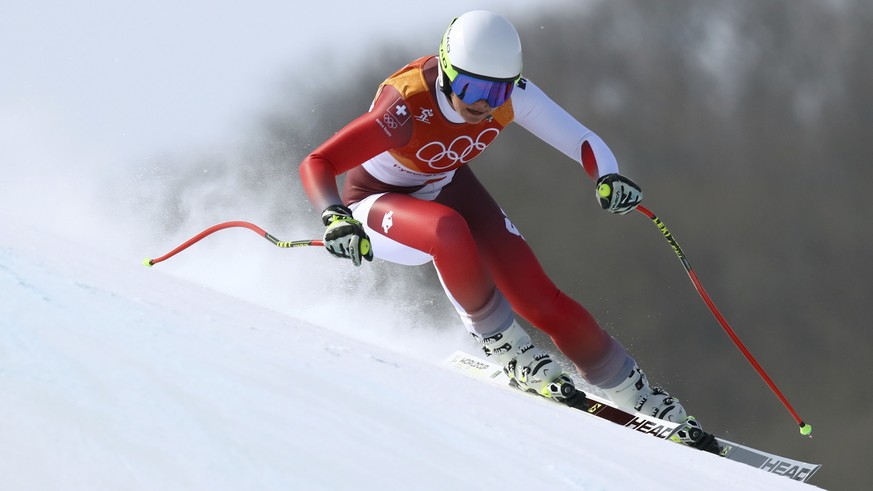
(537, 113)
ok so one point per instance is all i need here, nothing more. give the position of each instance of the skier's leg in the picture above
(517, 273)
(407, 230)
(520, 277)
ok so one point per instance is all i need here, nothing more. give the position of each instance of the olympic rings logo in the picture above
(389, 121)
(462, 150)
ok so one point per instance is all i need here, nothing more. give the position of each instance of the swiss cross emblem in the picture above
(394, 117)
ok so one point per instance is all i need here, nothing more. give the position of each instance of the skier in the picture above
(410, 198)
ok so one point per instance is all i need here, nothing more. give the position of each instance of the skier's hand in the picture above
(618, 194)
(345, 237)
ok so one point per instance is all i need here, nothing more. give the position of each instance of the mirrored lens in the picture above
(470, 89)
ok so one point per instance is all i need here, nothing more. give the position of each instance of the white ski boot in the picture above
(528, 367)
(635, 394)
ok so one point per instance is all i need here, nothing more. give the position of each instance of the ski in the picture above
(484, 370)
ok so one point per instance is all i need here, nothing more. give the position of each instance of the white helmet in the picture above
(481, 44)
(480, 58)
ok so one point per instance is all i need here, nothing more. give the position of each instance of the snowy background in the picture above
(237, 365)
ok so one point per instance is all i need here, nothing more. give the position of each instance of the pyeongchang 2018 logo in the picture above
(439, 156)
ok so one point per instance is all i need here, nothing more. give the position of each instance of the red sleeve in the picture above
(357, 142)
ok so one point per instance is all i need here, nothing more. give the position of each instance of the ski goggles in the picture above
(470, 88)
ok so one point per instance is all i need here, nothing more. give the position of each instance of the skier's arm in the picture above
(360, 140)
(353, 145)
(537, 113)
(540, 115)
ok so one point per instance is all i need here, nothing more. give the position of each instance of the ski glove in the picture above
(618, 194)
(345, 237)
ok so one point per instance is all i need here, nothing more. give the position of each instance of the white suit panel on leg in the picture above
(383, 247)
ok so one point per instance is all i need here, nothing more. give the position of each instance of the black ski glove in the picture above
(618, 194)
(345, 237)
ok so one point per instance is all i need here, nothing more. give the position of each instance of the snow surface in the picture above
(114, 376)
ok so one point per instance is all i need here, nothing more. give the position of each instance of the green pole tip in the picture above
(805, 429)
(148, 262)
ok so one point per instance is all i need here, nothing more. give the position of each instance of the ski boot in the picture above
(529, 368)
(635, 394)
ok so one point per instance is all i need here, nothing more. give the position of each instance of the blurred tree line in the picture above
(747, 123)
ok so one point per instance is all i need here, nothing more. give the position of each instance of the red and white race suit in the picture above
(407, 181)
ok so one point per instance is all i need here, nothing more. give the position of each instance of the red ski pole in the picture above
(805, 428)
(221, 226)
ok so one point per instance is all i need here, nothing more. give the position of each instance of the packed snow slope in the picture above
(114, 376)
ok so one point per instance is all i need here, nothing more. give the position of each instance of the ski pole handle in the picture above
(221, 226)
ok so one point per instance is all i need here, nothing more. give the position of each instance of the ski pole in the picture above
(805, 428)
(590, 166)
(221, 226)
